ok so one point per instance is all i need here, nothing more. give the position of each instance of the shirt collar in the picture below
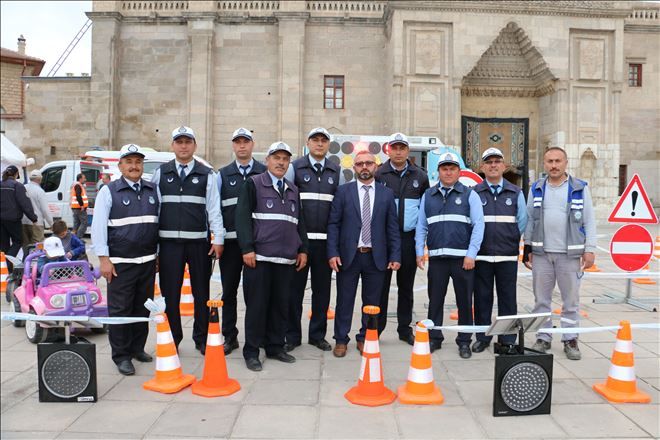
(249, 165)
(372, 184)
(275, 179)
(129, 182)
(403, 171)
(190, 165)
(313, 161)
(500, 183)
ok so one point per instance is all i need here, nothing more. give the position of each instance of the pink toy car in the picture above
(66, 288)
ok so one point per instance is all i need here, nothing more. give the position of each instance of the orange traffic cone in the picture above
(215, 381)
(454, 314)
(329, 315)
(582, 313)
(521, 250)
(420, 388)
(621, 385)
(371, 390)
(644, 280)
(593, 268)
(169, 376)
(187, 304)
(4, 272)
(656, 248)
(157, 292)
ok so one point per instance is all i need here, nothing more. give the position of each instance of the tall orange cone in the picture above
(216, 381)
(644, 280)
(371, 390)
(4, 272)
(420, 389)
(582, 313)
(621, 385)
(169, 376)
(593, 268)
(187, 304)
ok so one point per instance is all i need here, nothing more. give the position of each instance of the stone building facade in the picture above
(519, 75)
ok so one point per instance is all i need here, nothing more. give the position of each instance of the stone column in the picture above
(292, 17)
(104, 96)
(201, 30)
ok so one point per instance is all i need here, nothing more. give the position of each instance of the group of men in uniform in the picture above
(276, 223)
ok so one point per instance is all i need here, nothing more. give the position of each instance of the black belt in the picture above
(364, 250)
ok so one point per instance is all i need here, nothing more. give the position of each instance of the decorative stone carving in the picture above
(427, 52)
(511, 66)
(591, 59)
(589, 115)
(427, 114)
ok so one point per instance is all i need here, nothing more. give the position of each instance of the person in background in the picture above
(79, 204)
(74, 248)
(54, 251)
(15, 203)
(105, 179)
(34, 232)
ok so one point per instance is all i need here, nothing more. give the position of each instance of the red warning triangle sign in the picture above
(634, 205)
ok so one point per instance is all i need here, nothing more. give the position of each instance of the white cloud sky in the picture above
(48, 28)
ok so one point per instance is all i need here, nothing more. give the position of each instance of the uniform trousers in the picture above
(173, 257)
(79, 222)
(317, 263)
(405, 280)
(127, 292)
(362, 266)
(504, 275)
(267, 289)
(548, 270)
(439, 272)
(231, 267)
(10, 238)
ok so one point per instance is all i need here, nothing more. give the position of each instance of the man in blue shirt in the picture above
(505, 215)
(451, 224)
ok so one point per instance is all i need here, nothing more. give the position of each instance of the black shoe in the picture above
(289, 347)
(126, 367)
(409, 339)
(282, 357)
(253, 364)
(201, 347)
(321, 344)
(464, 351)
(480, 346)
(230, 346)
(143, 357)
(435, 345)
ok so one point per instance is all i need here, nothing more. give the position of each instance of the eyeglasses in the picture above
(366, 163)
(494, 162)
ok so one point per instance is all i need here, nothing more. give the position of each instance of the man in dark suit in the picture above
(363, 241)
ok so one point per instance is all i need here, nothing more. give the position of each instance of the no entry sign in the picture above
(470, 178)
(631, 247)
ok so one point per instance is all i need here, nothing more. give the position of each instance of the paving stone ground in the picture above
(305, 400)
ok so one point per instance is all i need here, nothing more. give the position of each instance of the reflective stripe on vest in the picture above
(284, 217)
(83, 195)
(229, 202)
(448, 218)
(137, 260)
(277, 260)
(499, 219)
(497, 258)
(132, 220)
(317, 236)
(184, 199)
(182, 234)
(448, 251)
(316, 196)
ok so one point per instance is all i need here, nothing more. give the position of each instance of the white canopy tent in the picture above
(10, 154)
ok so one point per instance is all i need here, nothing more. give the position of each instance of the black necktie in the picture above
(445, 191)
(280, 188)
(182, 173)
(244, 171)
(495, 188)
(136, 187)
(319, 168)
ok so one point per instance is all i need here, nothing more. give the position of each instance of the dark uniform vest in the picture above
(275, 222)
(183, 211)
(133, 222)
(501, 233)
(316, 194)
(448, 221)
(232, 182)
(408, 190)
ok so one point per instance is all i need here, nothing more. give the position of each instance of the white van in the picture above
(59, 176)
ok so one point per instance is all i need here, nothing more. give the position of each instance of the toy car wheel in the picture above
(11, 286)
(102, 330)
(16, 308)
(34, 332)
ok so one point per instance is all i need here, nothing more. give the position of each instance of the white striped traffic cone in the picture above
(187, 304)
(420, 389)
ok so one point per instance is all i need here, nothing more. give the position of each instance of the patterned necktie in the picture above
(244, 169)
(366, 217)
(319, 169)
(182, 173)
(136, 187)
(280, 188)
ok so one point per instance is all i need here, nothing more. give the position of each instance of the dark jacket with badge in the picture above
(317, 190)
(501, 233)
(408, 190)
(15, 202)
(448, 222)
(232, 182)
(183, 204)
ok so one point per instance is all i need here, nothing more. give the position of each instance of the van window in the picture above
(151, 167)
(93, 175)
(51, 179)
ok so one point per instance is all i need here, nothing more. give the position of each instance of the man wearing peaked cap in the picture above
(317, 179)
(15, 203)
(190, 212)
(451, 225)
(505, 215)
(231, 179)
(273, 242)
(125, 238)
(34, 232)
(408, 182)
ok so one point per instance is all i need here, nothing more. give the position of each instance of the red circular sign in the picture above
(631, 247)
(469, 178)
